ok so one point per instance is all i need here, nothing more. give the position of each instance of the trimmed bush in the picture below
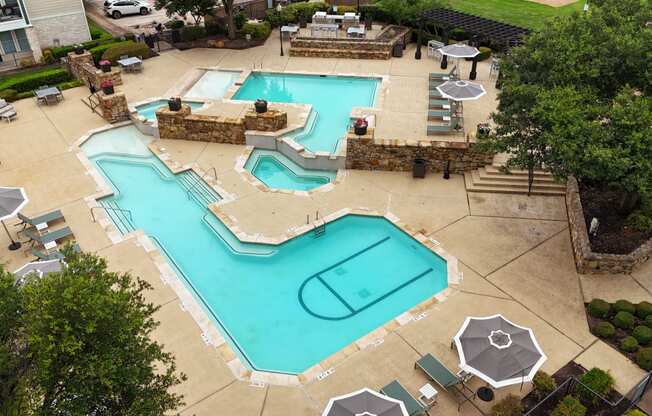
(604, 330)
(624, 305)
(458, 34)
(191, 33)
(629, 344)
(215, 29)
(635, 412)
(599, 308)
(644, 309)
(239, 20)
(510, 405)
(643, 334)
(544, 384)
(130, 48)
(63, 51)
(9, 94)
(648, 321)
(644, 358)
(624, 320)
(569, 406)
(599, 381)
(32, 80)
(47, 58)
(98, 51)
(485, 53)
(257, 30)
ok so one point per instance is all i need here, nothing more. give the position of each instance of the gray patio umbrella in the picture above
(40, 268)
(459, 50)
(498, 351)
(364, 402)
(12, 200)
(461, 90)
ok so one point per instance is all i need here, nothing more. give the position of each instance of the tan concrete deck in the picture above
(514, 251)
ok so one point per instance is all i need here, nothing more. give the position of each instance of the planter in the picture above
(261, 106)
(106, 68)
(108, 90)
(419, 168)
(360, 130)
(79, 49)
(174, 104)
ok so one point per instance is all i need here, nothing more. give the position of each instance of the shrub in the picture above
(599, 381)
(257, 30)
(644, 358)
(599, 308)
(48, 58)
(544, 384)
(174, 24)
(23, 95)
(9, 94)
(510, 405)
(629, 344)
(648, 321)
(644, 309)
(99, 50)
(32, 80)
(640, 220)
(485, 53)
(129, 48)
(62, 51)
(643, 334)
(626, 306)
(346, 9)
(190, 33)
(240, 19)
(27, 62)
(70, 84)
(624, 320)
(569, 406)
(604, 330)
(214, 29)
(635, 412)
(458, 34)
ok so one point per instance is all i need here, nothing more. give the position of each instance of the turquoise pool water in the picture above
(149, 110)
(278, 172)
(332, 98)
(213, 84)
(282, 308)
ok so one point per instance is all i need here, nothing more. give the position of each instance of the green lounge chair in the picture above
(439, 103)
(56, 254)
(48, 237)
(438, 113)
(395, 390)
(45, 218)
(437, 372)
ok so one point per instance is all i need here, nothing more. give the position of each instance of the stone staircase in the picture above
(493, 179)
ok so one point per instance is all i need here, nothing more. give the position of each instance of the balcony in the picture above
(11, 15)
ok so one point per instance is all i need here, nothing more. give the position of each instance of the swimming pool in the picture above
(148, 110)
(331, 97)
(213, 84)
(282, 308)
(278, 172)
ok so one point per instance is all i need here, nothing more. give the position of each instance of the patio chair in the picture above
(39, 100)
(395, 390)
(434, 114)
(52, 255)
(437, 372)
(51, 99)
(49, 237)
(46, 218)
(433, 47)
(7, 111)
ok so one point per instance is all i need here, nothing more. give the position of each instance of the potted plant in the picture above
(107, 87)
(360, 127)
(174, 103)
(484, 129)
(79, 49)
(261, 106)
(105, 65)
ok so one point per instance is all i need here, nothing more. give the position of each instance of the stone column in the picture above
(114, 107)
(34, 43)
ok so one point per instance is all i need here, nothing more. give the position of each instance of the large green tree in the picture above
(197, 9)
(85, 334)
(407, 11)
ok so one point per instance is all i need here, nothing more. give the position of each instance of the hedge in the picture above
(98, 51)
(629, 344)
(624, 320)
(599, 308)
(190, 33)
(604, 330)
(114, 53)
(257, 30)
(13, 95)
(63, 51)
(31, 81)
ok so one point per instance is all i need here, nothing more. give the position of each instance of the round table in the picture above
(485, 394)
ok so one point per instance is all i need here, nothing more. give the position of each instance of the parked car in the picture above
(117, 9)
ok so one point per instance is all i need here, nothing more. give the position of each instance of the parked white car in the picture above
(119, 8)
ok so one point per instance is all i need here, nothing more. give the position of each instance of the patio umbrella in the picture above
(364, 402)
(41, 268)
(461, 90)
(498, 351)
(459, 50)
(12, 200)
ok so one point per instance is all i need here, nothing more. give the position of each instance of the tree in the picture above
(406, 11)
(229, 12)
(198, 9)
(87, 334)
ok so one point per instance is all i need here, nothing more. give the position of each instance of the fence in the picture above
(572, 386)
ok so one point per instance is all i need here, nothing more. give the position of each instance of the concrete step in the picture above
(497, 170)
(499, 182)
(472, 186)
(486, 175)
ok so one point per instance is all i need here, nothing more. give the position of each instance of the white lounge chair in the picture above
(7, 111)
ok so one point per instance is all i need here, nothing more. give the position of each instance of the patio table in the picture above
(288, 31)
(44, 93)
(127, 62)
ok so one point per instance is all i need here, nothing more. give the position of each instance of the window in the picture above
(23, 43)
(7, 42)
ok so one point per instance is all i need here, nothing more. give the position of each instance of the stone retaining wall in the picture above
(587, 261)
(183, 125)
(82, 68)
(114, 107)
(272, 120)
(366, 153)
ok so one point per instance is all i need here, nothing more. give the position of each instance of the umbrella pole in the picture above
(15, 245)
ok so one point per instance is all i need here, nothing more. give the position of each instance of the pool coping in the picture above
(210, 334)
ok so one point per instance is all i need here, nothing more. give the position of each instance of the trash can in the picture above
(397, 51)
(176, 36)
(419, 168)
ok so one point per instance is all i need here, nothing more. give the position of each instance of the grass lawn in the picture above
(97, 31)
(522, 13)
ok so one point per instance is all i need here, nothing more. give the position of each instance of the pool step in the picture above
(198, 188)
(119, 217)
(320, 229)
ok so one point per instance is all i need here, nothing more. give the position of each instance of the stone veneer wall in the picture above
(183, 125)
(587, 261)
(114, 107)
(366, 153)
(82, 68)
(272, 120)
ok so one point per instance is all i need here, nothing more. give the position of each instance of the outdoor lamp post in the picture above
(474, 66)
(279, 8)
(417, 53)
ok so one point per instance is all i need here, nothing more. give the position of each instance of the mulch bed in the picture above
(620, 334)
(613, 235)
(238, 43)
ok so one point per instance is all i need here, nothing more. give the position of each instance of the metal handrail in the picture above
(112, 209)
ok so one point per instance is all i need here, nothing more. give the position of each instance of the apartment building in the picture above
(28, 26)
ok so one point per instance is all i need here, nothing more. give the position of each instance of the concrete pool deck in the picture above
(514, 251)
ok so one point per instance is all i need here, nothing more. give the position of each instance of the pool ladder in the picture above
(319, 227)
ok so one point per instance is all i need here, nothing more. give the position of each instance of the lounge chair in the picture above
(7, 111)
(52, 236)
(395, 390)
(439, 103)
(434, 114)
(53, 255)
(437, 372)
(47, 218)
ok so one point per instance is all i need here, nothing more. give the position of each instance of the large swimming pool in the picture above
(331, 97)
(282, 308)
